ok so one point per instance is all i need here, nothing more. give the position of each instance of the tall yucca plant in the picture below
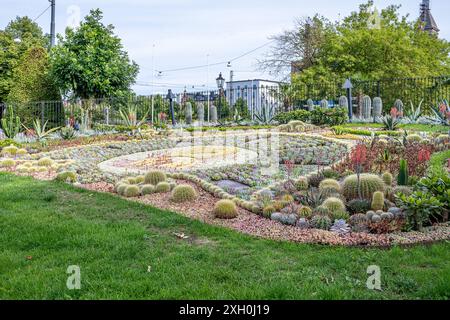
(130, 119)
(11, 124)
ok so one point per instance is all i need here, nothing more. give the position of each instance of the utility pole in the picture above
(52, 25)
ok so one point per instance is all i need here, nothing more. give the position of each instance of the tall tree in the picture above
(32, 80)
(393, 47)
(90, 61)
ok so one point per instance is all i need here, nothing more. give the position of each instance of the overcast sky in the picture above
(183, 33)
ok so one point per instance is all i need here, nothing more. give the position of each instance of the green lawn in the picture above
(46, 226)
(407, 127)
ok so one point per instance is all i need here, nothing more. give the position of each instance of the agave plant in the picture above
(441, 114)
(40, 131)
(413, 114)
(265, 114)
(390, 123)
(130, 119)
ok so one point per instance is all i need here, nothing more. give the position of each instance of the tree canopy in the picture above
(90, 62)
(353, 47)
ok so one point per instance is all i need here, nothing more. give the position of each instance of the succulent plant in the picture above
(302, 184)
(402, 179)
(225, 209)
(213, 114)
(162, 187)
(67, 176)
(183, 193)
(305, 212)
(366, 107)
(378, 201)
(120, 189)
(45, 162)
(358, 218)
(321, 211)
(147, 189)
(343, 102)
(398, 104)
(358, 206)
(140, 179)
(377, 108)
(132, 191)
(201, 112)
(387, 216)
(321, 222)
(387, 178)
(329, 186)
(407, 191)
(10, 150)
(376, 218)
(339, 215)
(303, 224)
(310, 104)
(268, 211)
(314, 180)
(340, 227)
(155, 177)
(7, 163)
(369, 184)
(334, 204)
(188, 113)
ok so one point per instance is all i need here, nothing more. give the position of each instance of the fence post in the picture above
(42, 112)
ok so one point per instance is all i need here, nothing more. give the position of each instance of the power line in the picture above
(42, 13)
(217, 63)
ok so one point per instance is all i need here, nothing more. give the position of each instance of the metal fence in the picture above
(249, 101)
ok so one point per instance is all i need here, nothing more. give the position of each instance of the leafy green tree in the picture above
(32, 80)
(27, 31)
(396, 47)
(90, 62)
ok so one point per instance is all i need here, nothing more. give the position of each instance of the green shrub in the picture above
(439, 187)
(183, 193)
(369, 184)
(132, 191)
(334, 204)
(301, 184)
(420, 207)
(387, 178)
(321, 222)
(225, 209)
(162, 187)
(155, 177)
(329, 117)
(286, 117)
(378, 201)
(147, 189)
(403, 190)
(67, 176)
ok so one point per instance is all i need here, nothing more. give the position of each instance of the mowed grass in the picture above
(128, 251)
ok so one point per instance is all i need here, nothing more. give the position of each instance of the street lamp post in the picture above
(349, 86)
(170, 97)
(220, 84)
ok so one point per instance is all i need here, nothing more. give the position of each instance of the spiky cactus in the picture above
(398, 104)
(321, 211)
(377, 108)
(366, 107)
(359, 218)
(305, 212)
(369, 184)
(378, 201)
(302, 184)
(402, 179)
(310, 104)
(388, 178)
(334, 204)
(10, 124)
(225, 209)
(343, 102)
(201, 112)
(188, 113)
(324, 104)
(155, 177)
(183, 193)
(330, 185)
(321, 222)
(213, 114)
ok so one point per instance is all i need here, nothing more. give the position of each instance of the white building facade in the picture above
(257, 93)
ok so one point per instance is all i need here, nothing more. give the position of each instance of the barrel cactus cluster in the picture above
(142, 185)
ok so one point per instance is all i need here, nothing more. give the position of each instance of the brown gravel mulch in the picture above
(254, 225)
